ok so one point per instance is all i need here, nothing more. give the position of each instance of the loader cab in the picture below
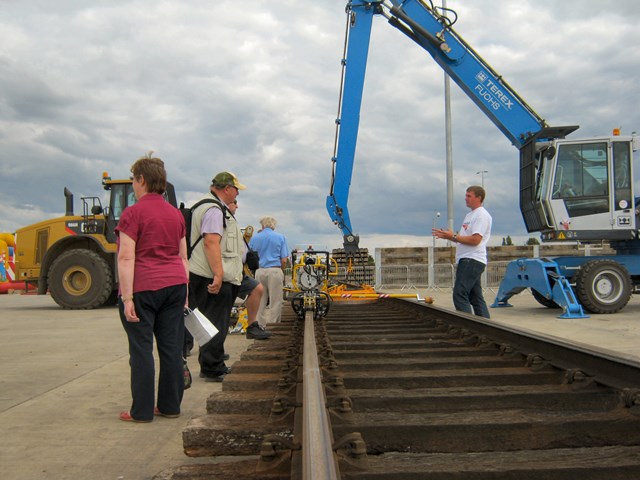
(586, 190)
(121, 197)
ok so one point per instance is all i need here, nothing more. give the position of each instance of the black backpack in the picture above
(187, 213)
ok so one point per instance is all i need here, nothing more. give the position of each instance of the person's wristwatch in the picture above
(455, 237)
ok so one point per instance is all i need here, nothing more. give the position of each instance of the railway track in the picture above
(412, 391)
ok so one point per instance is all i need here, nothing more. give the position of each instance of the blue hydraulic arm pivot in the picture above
(429, 28)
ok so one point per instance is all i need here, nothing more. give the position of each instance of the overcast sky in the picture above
(252, 86)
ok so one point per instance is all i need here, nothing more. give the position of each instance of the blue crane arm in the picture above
(486, 88)
(428, 28)
(354, 65)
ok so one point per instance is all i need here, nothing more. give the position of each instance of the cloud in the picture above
(253, 87)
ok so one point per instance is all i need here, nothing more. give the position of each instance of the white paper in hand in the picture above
(199, 326)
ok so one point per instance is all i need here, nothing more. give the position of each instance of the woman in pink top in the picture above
(153, 275)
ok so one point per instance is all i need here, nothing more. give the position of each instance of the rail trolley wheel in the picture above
(321, 302)
(297, 303)
(80, 279)
(603, 286)
(544, 301)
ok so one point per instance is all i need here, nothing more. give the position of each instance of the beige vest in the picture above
(231, 247)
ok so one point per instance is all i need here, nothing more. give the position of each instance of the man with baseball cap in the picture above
(227, 179)
(215, 269)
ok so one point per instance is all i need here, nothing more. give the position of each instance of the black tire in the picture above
(544, 301)
(603, 286)
(80, 279)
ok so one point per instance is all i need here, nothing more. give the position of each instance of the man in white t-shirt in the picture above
(471, 254)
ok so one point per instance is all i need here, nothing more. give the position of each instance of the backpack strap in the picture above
(222, 207)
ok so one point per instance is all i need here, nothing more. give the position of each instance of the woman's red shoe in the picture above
(126, 417)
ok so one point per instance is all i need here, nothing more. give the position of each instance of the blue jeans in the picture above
(467, 291)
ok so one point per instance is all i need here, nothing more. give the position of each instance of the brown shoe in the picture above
(126, 417)
(166, 415)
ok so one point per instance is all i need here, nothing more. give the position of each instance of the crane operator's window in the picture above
(581, 178)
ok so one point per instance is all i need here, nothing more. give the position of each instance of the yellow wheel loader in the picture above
(74, 257)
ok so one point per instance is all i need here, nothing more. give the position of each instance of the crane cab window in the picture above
(622, 175)
(582, 179)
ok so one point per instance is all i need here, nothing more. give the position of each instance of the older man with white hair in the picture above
(274, 253)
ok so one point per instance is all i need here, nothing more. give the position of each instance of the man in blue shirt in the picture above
(274, 253)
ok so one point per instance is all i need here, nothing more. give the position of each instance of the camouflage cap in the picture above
(227, 178)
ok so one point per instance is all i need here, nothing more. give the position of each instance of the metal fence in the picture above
(439, 276)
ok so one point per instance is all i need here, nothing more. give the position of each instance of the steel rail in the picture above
(318, 459)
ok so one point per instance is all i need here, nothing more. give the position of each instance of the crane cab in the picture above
(583, 190)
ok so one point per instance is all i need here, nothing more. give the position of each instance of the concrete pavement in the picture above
(65, 378)
(63, 382)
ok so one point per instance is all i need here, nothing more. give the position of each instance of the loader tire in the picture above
(603, 286)
(80, 279)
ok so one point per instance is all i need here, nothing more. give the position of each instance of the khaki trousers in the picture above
(272, 280)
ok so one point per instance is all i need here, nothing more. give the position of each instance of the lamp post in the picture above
(482, 172)
(436, 215)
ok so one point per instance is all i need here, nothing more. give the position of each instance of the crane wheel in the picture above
(80, 279)
(603, 286)
(544, 301)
